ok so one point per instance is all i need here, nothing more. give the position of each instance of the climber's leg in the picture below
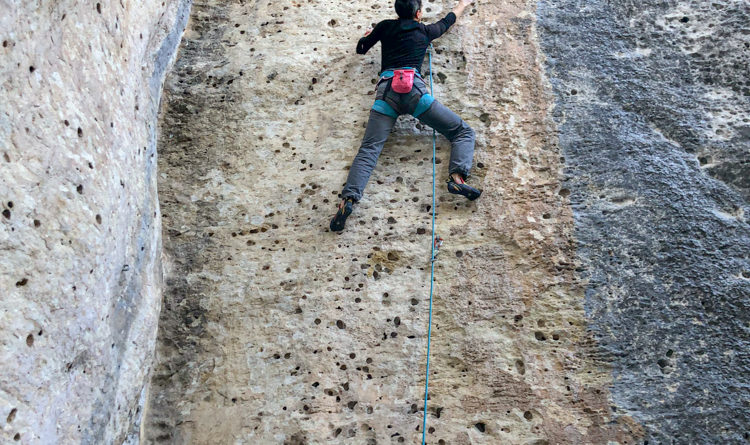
(379, 126)
(461, 137)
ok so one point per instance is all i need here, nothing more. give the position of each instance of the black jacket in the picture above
(404, 42)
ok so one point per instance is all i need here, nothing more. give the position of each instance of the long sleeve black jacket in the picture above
(404, 42)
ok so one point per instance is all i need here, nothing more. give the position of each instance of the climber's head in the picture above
(409, 9)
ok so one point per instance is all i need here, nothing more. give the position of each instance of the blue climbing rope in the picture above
(433, 258)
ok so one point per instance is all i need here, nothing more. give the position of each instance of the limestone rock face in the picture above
(597, 292)
(274, 330)
(652, 109)
(80, 273)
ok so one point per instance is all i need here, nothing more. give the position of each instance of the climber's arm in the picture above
(437, 29)
(370, 39)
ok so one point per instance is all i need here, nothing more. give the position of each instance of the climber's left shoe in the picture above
(338, 221)
(463, 189)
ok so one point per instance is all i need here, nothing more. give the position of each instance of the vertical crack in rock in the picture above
(652, 104)
(275, 330)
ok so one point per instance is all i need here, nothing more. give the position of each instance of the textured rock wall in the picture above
(653, 102)
(80, 274)
(274, 330)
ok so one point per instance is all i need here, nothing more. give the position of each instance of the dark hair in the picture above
(407, 9)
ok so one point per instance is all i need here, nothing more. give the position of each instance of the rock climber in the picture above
(401, 90)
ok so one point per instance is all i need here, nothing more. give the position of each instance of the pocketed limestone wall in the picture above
(597, 293)
(275, 330)
(80, 233)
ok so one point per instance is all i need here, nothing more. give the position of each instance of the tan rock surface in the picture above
(274, 330)
(80, 275)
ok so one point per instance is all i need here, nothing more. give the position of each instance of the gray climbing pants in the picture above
(381, 121)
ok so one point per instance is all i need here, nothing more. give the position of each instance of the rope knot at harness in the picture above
(436, 245)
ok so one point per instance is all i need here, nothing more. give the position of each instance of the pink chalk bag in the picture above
(403, 80)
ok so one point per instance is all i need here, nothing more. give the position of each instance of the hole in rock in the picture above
(30, 340)
(480, 426)
(520, 367)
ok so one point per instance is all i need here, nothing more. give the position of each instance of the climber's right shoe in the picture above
(463, 189)
(338, 221)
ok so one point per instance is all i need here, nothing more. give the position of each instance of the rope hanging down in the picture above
(436, 242)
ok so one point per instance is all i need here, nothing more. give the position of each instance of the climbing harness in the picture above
(436, 243)
(388, 104)
(387, 74)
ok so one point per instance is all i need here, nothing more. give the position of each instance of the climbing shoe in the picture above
(463, 189)
(338, 221)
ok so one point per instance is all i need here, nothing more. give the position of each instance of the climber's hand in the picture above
(367, 33)
(462, 4)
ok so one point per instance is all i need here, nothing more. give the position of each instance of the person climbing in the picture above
(401, 90)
